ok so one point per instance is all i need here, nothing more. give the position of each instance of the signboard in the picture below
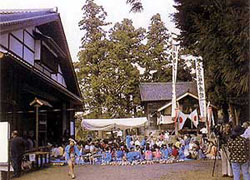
(174, 77)
(4, 141)
(201, 88)
(72, 128)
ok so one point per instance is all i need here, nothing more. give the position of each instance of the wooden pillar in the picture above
(64, 118)
(37, 125)
(176, 122)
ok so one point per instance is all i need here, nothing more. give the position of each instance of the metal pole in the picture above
(36, 106)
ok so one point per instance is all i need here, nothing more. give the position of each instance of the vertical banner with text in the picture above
(174, 78)
(201, 88)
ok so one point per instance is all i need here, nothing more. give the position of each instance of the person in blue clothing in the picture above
(119, 154)
(181, 153)
(133, 155)
(143, 142)
(71, 151)
(106, 156)
(165, 153)
(170, 149)
(128, 140)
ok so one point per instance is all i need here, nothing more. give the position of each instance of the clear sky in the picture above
(71, 13)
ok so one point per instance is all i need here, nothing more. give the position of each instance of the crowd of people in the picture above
(133, 150)
(233, 145)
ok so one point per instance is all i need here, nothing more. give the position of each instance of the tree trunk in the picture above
(234, 114)
(237, 116)
(231, 114)
(225, 113)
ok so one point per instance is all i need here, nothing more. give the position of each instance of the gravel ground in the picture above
(190, 170)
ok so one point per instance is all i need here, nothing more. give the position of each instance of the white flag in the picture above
(182, 119)
(194, 117)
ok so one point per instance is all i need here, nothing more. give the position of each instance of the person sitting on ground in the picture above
(107, 157)
(212, 150)
(119, 154)
(87, 148)
(157, 154)
(137, 142)
(164, 151)
(170, 149)
(148, 154)
(133, 155)
(201, 154)
(181, 153)
(175, 152)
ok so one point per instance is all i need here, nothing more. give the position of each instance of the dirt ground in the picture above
(190, 170)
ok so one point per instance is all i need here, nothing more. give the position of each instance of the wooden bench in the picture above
(42, 159)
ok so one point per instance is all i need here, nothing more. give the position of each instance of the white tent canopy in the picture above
(164, 120)
(109, 124)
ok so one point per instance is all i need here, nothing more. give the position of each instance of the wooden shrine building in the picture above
(37, 71)
(157, 100)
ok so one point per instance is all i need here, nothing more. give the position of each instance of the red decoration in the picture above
(181, 119)
(194, 118)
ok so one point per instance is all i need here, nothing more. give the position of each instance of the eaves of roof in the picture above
(13, 25)
(44, 77)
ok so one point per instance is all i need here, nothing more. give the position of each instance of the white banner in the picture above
(194, 117)
(174, 78)
(201, 87)
(4, 141)
(181, 119)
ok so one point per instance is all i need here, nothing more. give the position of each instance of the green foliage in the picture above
(108, 66)
(218, 31)
(136, 5)
(123, 56)
(157, 56)
(91, 56)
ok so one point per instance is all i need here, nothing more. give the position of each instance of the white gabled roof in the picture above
(179, 98)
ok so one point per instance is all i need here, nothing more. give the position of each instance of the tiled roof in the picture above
(163, 91)
(11, 17)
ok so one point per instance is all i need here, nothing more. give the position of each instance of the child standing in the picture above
(71, 151)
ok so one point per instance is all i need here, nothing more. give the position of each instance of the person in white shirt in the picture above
(246, 133)
(119, 134)
(204, 130)
(137, 142)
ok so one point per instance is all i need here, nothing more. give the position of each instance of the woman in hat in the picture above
(239, 153)
(71, 151)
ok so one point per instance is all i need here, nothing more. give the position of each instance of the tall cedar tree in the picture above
(156, 61)
(158, 56)
(91, 56)
(218, 31)
(125, 42)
